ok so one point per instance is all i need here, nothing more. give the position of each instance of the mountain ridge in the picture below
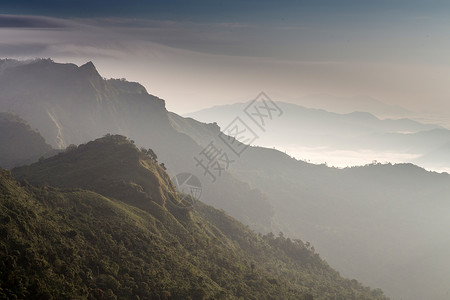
(348, 139)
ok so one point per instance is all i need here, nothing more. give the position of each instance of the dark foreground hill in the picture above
(127, 242)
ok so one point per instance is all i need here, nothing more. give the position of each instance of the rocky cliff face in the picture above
(71, 104)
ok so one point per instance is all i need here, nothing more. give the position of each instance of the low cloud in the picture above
(345, 158)
(26, 49)
(19, 21)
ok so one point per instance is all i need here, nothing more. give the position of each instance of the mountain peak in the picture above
(88, 65)
(90, 69)
(362, 115)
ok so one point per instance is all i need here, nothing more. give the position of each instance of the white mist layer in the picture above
(349, 158)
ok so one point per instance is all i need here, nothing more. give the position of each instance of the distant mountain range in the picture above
(300, 127)
(344, 105)
(380, 223)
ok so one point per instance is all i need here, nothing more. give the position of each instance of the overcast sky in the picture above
(196, 54)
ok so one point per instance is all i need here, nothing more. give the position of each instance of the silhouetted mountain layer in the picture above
(299, 122)
(353, 103)
(19, 144)
(316, 127)
(71, 104)
(301, 127)
(108, 231)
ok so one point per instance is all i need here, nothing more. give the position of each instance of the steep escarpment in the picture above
(71, 104)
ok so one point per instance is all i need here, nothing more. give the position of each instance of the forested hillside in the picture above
(62, 241)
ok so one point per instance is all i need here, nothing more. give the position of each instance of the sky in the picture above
(196, 54)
